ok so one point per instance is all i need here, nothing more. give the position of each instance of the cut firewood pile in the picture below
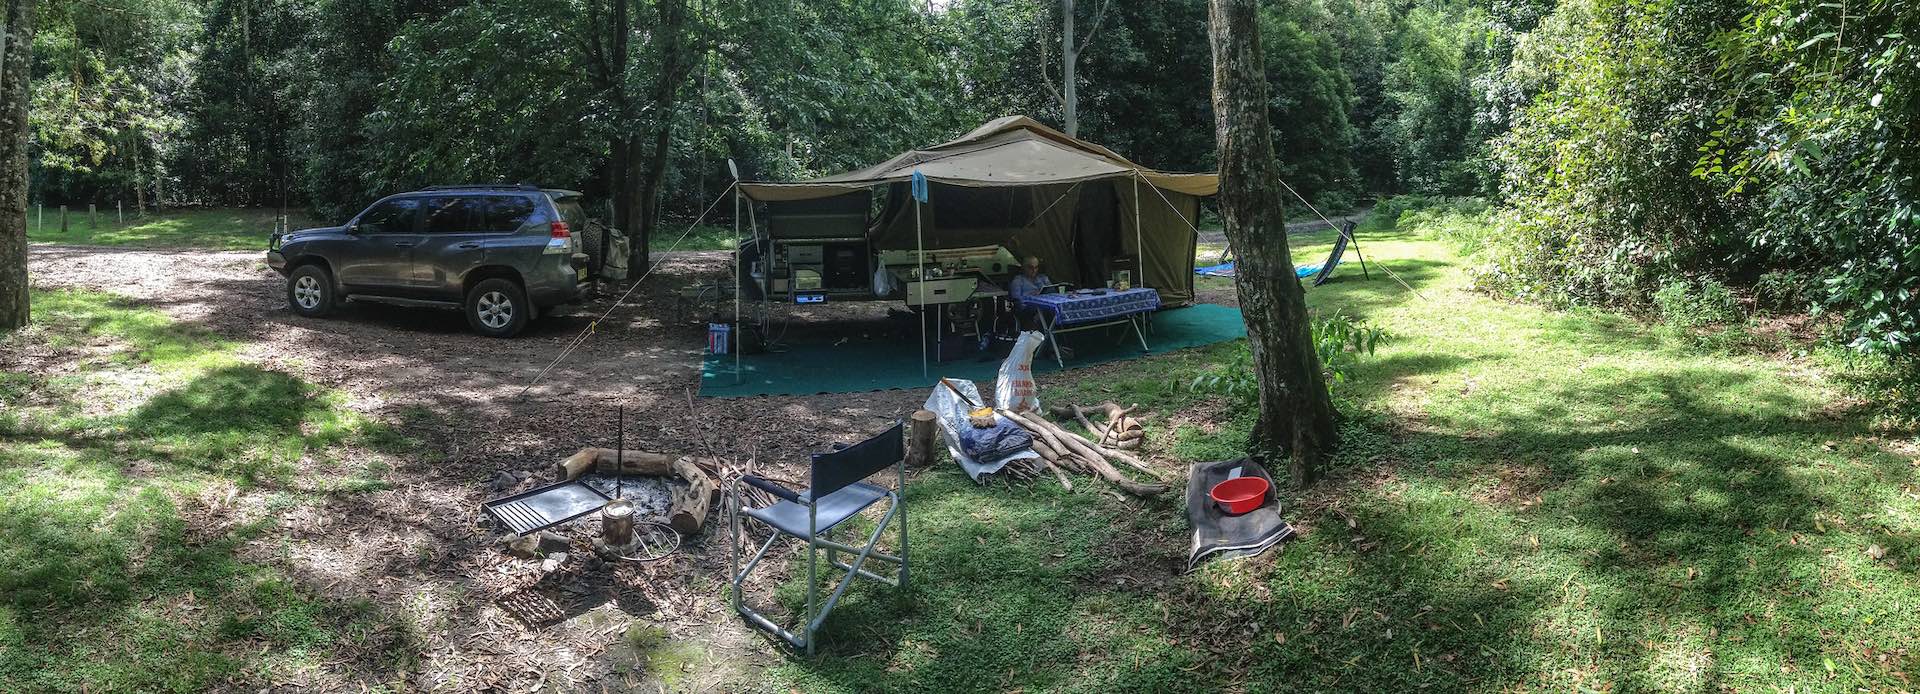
(1062, 450)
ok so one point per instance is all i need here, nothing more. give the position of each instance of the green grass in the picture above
(104, 584)
(699, 238)
(1539, 500)
(221, 229)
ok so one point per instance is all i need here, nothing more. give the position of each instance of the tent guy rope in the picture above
(588, 331)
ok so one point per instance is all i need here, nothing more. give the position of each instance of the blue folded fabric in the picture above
(1002, 439)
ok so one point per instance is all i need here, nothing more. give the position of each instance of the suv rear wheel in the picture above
(310, 291)
(498, 308)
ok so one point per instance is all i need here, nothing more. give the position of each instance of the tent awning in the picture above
(1009, 151)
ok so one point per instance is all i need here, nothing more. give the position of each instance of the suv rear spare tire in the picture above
(498, 308)
(310, 291)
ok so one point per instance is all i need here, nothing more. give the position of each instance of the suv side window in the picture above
(455, 215)
(390, 217)
(507, 213)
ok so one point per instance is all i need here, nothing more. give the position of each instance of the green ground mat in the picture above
(857, 366)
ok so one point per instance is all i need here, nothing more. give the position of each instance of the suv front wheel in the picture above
(310, 291)
(498, 308)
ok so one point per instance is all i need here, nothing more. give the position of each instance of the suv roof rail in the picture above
(485, 186)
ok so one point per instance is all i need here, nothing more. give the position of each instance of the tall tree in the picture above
(16, 57)
(673, 71)
(1296, 413)
(1069, 92)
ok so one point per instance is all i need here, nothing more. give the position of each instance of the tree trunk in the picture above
(1296, 413)
(613, 78)
(673, 16)
(1069, 58)
(16, 48)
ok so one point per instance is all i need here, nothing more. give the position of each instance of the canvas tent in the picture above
(1082, 208)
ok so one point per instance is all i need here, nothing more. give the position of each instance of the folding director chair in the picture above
(836, 494)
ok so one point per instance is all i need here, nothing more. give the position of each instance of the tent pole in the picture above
(1139, 248)
(920, 273)
(739, 282)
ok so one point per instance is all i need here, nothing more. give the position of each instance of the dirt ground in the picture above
(489, 620)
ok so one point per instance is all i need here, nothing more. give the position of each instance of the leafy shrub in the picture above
(1339, 341)
(1687, 305)
(1782, 291)
(1400, 210)
(1737, 137)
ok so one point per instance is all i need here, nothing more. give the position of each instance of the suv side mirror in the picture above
(353, 229)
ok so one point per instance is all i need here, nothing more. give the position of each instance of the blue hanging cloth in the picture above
(919, 186)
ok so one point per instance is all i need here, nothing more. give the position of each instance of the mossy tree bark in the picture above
(16, 48)
(1296, 413)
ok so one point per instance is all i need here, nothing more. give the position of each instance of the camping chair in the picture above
(837, 494)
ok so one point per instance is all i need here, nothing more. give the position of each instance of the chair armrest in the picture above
(766, 486)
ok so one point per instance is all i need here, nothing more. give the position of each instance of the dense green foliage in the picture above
(324, 105)
(1765, 144)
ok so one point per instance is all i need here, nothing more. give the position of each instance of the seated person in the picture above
(1029, 282)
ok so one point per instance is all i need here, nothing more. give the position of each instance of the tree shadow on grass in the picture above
(104, 587)
(1651, 555)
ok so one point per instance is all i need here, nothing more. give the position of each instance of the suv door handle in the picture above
(403, 244)
(468, 246)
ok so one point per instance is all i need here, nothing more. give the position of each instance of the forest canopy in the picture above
(1627, 146)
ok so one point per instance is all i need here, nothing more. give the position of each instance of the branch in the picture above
(1046, 80)
(1099, 16)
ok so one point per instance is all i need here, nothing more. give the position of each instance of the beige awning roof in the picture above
(1009, 151)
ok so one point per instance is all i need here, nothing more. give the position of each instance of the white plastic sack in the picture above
(1015, 390)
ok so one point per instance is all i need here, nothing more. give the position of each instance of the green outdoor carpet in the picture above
(858, 366)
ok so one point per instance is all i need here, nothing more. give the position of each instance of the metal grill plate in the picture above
(542, 508)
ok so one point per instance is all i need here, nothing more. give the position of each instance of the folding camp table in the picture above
(1087, 309)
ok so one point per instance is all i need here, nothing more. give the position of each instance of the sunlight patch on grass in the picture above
(220, 228)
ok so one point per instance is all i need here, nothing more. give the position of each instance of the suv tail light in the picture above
(560, 230)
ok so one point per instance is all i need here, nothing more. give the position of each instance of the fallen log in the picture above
(688, 513)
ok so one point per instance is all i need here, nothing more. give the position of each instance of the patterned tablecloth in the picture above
(1094, 305)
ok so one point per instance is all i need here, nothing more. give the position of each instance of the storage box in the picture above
(942, 290)
(806, 280)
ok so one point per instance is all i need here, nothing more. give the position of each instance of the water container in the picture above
(719, 337)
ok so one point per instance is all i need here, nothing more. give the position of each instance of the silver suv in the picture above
(501, 253)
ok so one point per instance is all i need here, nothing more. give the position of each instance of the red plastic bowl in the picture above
(1240, 494)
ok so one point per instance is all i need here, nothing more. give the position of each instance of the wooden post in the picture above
(920, 450)
(63, 219)
(93, 215)
(120, 209)
(39, 217)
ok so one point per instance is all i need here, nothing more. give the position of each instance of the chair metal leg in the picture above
(902, 505)
(816, 611)
(813, 587)
(853, 571)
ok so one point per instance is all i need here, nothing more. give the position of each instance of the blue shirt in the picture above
(1021, 287)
